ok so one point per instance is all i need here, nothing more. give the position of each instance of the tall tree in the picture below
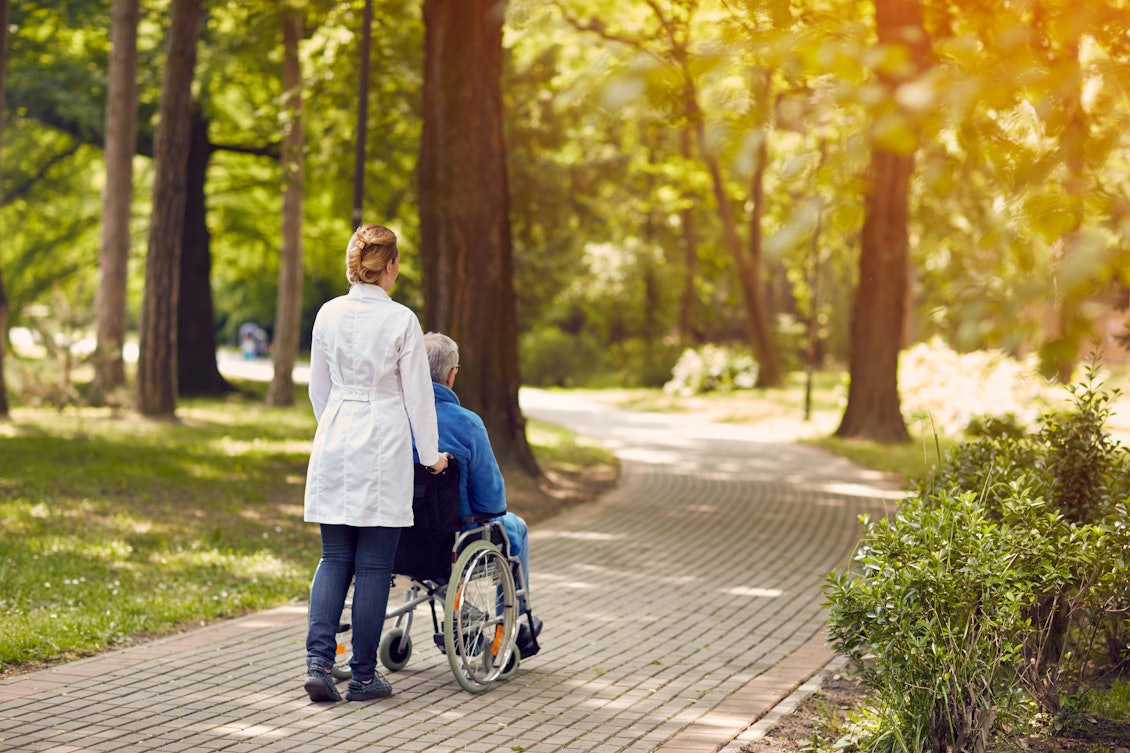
(464, 214)
(157, 363)
(289, 308)
(879, 314)
(198, 373)
(672, 44)
(4, 410)
(117, 201)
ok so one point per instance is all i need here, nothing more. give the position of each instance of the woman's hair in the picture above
(443, 355)
(370, 250)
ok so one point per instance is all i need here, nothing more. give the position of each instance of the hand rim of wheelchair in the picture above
(480, 617)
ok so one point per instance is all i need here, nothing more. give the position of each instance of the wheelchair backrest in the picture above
(425, 549)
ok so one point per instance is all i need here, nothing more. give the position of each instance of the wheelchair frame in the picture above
(479, 631)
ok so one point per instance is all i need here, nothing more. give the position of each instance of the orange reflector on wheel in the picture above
(458, 598)
(497, 643)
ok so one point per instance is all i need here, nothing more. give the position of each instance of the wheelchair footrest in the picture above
(527, 640)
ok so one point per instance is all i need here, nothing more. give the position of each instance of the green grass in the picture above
(114, 527)
(1112, 702)
(913, 460)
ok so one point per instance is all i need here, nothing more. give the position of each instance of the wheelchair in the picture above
(474, 588)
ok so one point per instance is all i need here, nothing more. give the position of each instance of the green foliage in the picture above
(1088, 466)
(986, 594)
(937, 616)
(1071, 460)
(602, 155)
(553, 358)
(1007, 425)
(712, 368)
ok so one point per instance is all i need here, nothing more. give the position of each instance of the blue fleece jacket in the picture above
(482, 489)
(462, 433)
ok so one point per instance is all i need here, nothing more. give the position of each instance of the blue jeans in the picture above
(350, 553)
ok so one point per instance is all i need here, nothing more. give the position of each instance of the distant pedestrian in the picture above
(371, 393)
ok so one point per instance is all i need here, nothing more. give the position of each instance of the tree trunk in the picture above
(197, 370)
(157, 364)
(689, 299)
(749, 267)
(289, 309)
(873, 410)
(769, 370)
(117, 201)
(4, 409)
(465, 238)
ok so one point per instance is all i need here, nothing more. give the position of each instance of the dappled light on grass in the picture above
(141, 526)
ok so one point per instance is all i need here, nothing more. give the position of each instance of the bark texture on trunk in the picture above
(117, 202)
(879, 314)
(464, 215)
(198, 373)
(157, 364)
(288, 312)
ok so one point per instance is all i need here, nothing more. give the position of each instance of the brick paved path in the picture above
(678, 610)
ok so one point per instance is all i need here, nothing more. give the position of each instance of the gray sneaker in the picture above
(378, 688)
(320, 685)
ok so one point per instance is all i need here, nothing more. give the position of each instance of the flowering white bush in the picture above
(712, 368)
(947, 389)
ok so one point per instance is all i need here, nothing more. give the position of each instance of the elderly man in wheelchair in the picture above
(465, 552)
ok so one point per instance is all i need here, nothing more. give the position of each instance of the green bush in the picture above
(1007, 425)
(551, 357)
(992, 588)
(1071, 460)
(944, 615)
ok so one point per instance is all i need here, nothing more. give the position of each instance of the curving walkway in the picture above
(678, 610)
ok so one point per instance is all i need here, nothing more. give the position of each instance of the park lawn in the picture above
(115, 527)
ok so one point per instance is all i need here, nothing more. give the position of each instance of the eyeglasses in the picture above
(456, 367)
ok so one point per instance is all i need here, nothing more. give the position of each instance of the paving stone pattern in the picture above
(679, 609)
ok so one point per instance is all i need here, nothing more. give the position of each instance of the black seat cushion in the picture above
(424, 551)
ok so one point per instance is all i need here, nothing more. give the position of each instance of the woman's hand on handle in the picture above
(440, 464)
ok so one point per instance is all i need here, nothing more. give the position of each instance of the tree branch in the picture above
(24, 188)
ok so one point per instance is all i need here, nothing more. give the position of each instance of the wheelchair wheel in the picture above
(395, 649)
(480, 614)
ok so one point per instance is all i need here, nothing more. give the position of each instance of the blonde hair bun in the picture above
(370, 250)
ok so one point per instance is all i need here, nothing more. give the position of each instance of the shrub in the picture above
(936, 620)
(1003, 574)
(712, 368)
(551, 357)
(1007, 425)
(944, 615)
(990, 383)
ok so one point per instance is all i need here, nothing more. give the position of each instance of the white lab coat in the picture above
(372, 393)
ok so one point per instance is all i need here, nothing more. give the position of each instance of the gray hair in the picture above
(443, 355)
